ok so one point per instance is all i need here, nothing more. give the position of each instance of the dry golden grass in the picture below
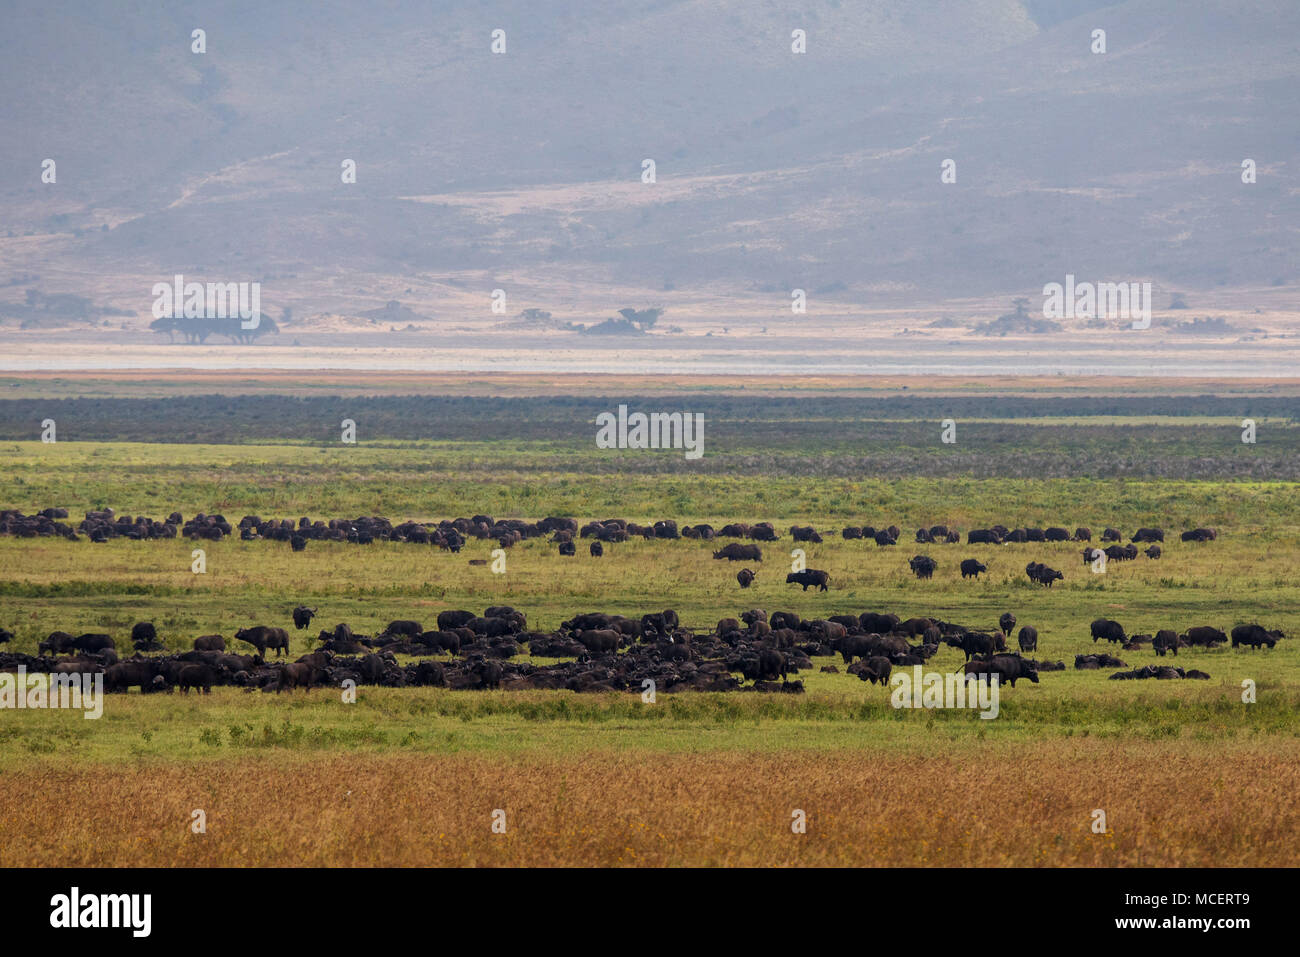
(1167, 804)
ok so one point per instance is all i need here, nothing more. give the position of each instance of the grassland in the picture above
(1188, 773)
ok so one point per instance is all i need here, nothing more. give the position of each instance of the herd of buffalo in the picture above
(452, 534)
(603, 652)
(101, 525)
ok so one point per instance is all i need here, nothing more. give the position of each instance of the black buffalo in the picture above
(809, 577)
(1106, 628)
(736, 552)
(1254, 635)
(1028, 638)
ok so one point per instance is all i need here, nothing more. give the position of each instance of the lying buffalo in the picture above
(736, 552)
(210, 643)
(809, 577)
(453, 618)
(404, 628)
(600, 641)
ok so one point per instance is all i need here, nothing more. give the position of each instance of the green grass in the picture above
(48, 584)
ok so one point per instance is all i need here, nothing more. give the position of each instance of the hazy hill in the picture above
(775, 171)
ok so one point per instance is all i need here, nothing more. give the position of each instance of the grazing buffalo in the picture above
(1200, 535)
(1112, 535)
(302, 616)
(210, 643)
(1148, 535)
(263, 637)
(884, 538)
(974, 643)
(6, 636)
(1204, 636)
(1254, 635)
(1028, 638)
(875, 669)
(805, 533)
(1153, 551)
(736, 552)
(1042, 574)
(1057, 534)
(923, 566)
(1106, 628)
(1083, 534)
(1011, 668)
(58, 643)
(971, 568)
(1165, 640)
(983, 536)
(810, 576)
(746, 577)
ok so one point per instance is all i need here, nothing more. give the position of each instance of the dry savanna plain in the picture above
(1187, 772)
